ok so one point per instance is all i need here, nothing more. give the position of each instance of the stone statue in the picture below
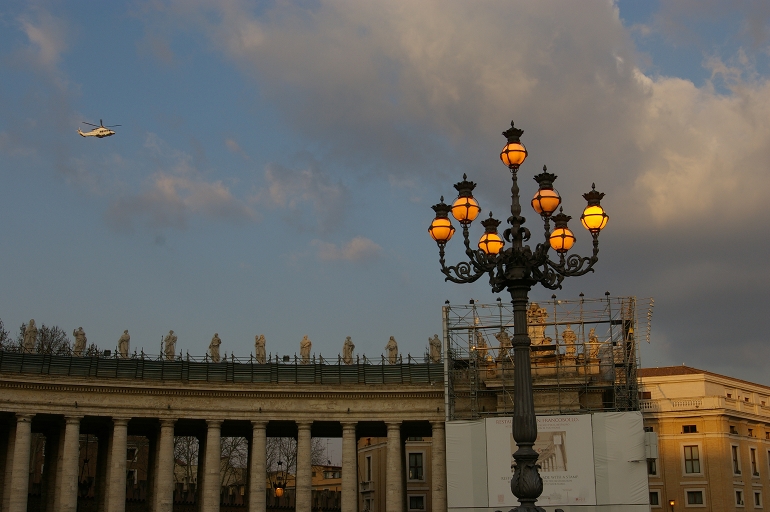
(170, 345)
(392, 348)
(259, 348)
(304, 349)
(481, 343)
(30, 337)
(214, 348)
(347, 351)
(593, 344)
(123, 344)
(435, 348)
(536, 318)
(80, 341)
(569, 338)
(505, 344)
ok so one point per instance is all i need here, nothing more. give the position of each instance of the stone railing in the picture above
(322, 371)
(702, 403)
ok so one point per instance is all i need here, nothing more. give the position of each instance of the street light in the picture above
(517, 268)
(279, 483)
(671, 503)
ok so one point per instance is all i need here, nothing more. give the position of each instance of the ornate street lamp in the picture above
(517, 268)
(279, 481)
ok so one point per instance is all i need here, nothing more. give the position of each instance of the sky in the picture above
(276, 162)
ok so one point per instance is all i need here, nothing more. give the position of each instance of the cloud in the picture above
(175, 195)
(359, 249)
(310, 198)
(47, 36)
(234, 147)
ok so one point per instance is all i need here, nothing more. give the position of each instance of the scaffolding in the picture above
(584, 355)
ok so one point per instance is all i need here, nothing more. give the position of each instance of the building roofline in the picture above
(670, 371)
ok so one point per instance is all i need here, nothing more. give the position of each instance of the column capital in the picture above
(71, 419)
(166, 422)
(393, 424)
(304, 425)
(349, 425)
(120, 421)
(23, 417)
(257, 424)
(214, 423)
(437, 424)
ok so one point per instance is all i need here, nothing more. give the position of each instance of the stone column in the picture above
(164, 476)
(438, 467)
(20, 470)
(70, 462)
(349, 468)
(212, 468)
(257, 470)
(394, 489)
(116, 476)
(304, 484)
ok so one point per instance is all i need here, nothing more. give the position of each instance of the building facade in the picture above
(418, 475)
(713, 440)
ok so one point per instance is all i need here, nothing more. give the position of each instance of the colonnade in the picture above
(62, 461)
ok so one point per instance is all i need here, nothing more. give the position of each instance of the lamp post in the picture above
(671, 503)
(517, 269)
(279, 483)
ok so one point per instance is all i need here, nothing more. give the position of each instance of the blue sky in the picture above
(276, 164)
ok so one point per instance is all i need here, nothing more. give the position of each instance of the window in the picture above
(767, 435)
(751, 432)
(732, 429)
(416, 502)
(131, 454)
(654, 497)
(758, 499)
(691, 459)
(689, 429)
(369, 468)
(746, 399)
(695, 497)
(649, 429)
(414, 438)
(738, 497)
(736, 460)
(415, 466)
(652, 467)
(645, 395)
(132, 476)
(729, 395)
(753, 460)
(763, 403)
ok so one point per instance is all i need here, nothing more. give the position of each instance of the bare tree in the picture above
(50, 340)
(185, 458)
(5, 337)
(235, 460)
(284, 449)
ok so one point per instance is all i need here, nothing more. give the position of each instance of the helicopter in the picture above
(100, 130)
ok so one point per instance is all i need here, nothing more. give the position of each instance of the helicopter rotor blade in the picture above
(91, 124)
(112, 125)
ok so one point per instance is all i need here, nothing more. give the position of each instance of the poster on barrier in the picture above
(565, 448)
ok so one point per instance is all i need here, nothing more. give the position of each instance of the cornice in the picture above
(392, 393)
